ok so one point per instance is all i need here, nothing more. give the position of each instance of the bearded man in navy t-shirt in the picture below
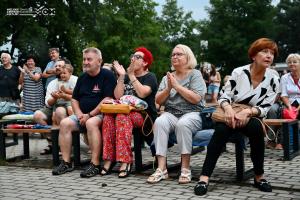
(92, 88)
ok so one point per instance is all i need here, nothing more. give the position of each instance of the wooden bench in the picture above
(25, 133)
(54, 131)
(291, 149)
(290, 135)
(5, 122)
(238, 140)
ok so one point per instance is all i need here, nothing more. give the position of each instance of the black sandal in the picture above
(107, 171)
(126, 171)
(47, 150)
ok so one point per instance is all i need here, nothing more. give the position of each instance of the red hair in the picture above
(147, 55)
(260, 44)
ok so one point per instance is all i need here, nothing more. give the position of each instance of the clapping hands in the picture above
(119, 68)
(172, 82)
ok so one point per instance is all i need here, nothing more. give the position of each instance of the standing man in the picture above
(92, 88)
(50, 72)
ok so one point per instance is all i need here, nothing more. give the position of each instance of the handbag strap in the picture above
(147, 117)
(265, 127)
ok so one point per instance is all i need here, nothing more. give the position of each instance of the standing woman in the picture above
(117, 129)
(254, 85)
(214, 84)
(182, 93)
(33, 92)
(9, 80)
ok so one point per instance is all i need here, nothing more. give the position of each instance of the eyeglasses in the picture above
(136, 56)
(177, 54)
(292, 62)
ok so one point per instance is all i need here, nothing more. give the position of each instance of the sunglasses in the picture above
(136, 56)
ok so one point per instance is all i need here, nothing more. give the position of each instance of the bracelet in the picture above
(224, 106)
(133, 81)
(121, 80)
(223, 102)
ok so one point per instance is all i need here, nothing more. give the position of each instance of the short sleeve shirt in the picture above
(91, 90)
(178, 105)
(9, 81)
(150, 80)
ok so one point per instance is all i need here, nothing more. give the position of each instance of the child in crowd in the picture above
(60, 90)
(65, 90)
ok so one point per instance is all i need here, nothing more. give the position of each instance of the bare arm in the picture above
(53, 99)
(286, 102)
(96, 110)
(119, 89)
(141, 90)
(218, 80)
(76, 108)
(187, 94)
(48, 73)
(36, 77)
(162, 96)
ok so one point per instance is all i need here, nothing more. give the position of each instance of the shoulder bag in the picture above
(219, 116)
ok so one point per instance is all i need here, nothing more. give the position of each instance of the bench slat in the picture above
(21, 131)
(277, 122)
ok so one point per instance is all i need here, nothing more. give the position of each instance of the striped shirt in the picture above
(33, 92)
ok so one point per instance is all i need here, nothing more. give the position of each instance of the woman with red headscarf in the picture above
(117, 129)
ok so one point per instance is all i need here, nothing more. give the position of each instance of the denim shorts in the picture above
(82, 128)
(212, 89)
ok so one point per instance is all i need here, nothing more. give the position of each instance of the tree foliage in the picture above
(117, 27)
(179, 27)
(232, 26)
(288, 29)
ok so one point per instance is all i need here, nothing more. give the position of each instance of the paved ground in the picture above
(32, 179)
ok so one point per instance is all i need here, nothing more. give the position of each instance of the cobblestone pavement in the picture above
(32, 179)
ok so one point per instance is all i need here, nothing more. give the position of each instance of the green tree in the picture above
(288, 29)
(179, 27)
(233, 26)
(126, 25)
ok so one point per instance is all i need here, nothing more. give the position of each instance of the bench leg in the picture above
(76, 148)
(290, 150)
(15, 139)
(2, 146)
(55, 146)
(26, 145)
(296, 138)
(137, 140)
(286, 141)
(240, 165)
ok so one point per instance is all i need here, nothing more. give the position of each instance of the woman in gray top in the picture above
(182, 93)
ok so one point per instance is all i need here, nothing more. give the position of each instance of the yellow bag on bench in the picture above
(116, 108)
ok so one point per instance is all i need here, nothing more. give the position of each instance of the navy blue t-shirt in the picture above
(91, 90)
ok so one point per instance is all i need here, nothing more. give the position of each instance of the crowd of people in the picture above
(73, 103)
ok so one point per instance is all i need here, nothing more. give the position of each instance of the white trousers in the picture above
(184, 127)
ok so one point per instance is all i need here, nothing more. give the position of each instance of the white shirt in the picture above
(239, 89)
(289, 88)
(56, 83)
